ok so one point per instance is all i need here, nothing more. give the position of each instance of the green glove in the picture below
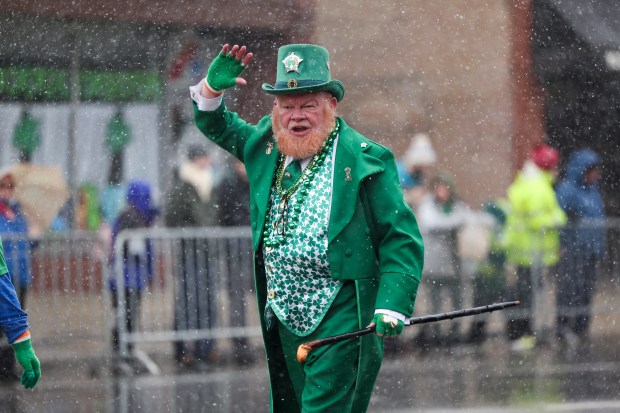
(24, 353)
(223, 72)
(386, 325)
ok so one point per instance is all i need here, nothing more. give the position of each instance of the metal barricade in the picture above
(182, 285)
(64, 297)
(72, 315)
(579, 295)
(581, 285)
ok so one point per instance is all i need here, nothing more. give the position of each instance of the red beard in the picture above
(302, 148)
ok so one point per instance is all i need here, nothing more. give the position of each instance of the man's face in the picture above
(202, 162)
(300, 114)
(592, 175)
(7, 188)
(302, 122)
(442, 192)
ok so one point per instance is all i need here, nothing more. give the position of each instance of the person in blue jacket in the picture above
(14, 324)
(17, 259)
(582, 243)
(137, 254)
(13, 223)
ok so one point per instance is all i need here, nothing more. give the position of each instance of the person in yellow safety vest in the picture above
(532, 241)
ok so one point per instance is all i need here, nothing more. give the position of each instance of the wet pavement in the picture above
(487, 377)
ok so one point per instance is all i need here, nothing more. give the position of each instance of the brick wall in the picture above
(440, 67)
(272, 15)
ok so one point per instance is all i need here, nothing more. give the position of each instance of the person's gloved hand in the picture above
(386, 325)
(225, 69)
(24, 353)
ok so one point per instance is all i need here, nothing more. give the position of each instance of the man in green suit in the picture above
(336, 247)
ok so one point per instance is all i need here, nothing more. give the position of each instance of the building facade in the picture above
(472, 75)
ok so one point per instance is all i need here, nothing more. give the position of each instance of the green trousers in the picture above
(328, 380)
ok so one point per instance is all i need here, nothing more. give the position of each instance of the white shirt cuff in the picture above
(394, 314)
(204, 104)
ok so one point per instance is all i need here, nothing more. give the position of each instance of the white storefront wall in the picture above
(93, 157)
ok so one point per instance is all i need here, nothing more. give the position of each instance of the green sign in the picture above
(26, 137)
(40, 84)
(117, 134)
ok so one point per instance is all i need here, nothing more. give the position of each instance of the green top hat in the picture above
(304, 68)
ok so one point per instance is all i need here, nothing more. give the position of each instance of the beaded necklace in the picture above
(287, 221)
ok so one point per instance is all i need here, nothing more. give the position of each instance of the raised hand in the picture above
(225, 69)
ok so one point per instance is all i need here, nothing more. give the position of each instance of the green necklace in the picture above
(287, 222)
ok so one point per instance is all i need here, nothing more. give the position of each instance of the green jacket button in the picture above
(348, 252)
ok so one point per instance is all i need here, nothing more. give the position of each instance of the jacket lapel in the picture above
(261, 168)
(351, 166)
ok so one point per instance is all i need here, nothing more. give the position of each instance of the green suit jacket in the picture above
(373, 236)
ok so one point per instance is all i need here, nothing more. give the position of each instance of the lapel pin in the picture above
(364, 144)
(269, 148)
(347, 172)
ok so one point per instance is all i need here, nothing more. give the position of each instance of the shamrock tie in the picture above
(291, 174)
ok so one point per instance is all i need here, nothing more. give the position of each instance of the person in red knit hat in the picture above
(545, 157)
(532, 242)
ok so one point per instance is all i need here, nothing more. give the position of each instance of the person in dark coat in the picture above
(233, 199)
(582, 244)
(190, 200)
(489, 283)
(190, 204)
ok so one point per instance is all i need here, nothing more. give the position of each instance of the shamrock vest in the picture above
(299, 284)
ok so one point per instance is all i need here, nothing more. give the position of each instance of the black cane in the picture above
(305, 348)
